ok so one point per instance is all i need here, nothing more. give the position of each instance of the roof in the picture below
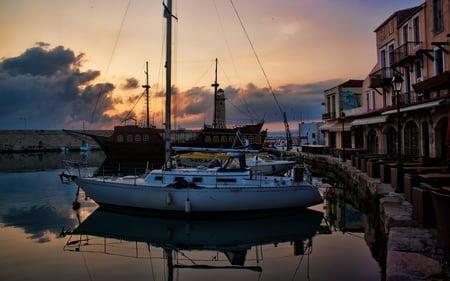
(349, 84)
(400, 15)
(352, 84)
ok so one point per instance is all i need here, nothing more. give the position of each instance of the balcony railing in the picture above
(329, 115)
(404, 54)
(381, 78)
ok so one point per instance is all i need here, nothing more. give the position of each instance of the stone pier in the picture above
(412, 252)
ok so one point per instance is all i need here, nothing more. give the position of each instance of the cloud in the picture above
(131, 83)
(46, 88)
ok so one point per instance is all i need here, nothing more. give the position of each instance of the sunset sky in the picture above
(67, 63)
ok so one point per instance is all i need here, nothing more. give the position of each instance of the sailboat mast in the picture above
(215, 85)
(168, 16)
(147, 87)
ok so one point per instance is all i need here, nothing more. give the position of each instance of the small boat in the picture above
(227, 187)
(85, 147)
(268, 164)
(260, 163)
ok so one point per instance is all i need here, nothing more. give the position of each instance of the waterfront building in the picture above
(412, 43)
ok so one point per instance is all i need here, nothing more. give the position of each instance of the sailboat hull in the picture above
(133, 194)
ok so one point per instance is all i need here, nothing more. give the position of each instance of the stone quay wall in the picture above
(411, 251)
(44, 140)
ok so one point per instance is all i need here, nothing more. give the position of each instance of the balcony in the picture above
(329, 115)
(405, 54)
(381, 78)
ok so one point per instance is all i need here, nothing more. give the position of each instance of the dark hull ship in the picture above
(209, 137)
(135, 143)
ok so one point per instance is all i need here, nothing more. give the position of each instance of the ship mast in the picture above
(215, 85)
(168, 15)
(147, 87)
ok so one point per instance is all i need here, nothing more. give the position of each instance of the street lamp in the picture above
(342, 137)
(397, 83)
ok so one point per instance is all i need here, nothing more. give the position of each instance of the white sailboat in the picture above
(231, 186)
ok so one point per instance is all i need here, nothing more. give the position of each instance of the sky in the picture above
(81, 64)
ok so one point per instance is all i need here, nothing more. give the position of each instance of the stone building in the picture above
(412, 44)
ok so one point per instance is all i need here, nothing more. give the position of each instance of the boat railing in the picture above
(73, 169)
(307, 173)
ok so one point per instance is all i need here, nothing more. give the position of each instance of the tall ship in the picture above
(135, 142)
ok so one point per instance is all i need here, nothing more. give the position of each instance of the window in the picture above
(391, 53)
(438, 24)
(411, 139)
(418, 71)
(438, 61)
(137, 138)
(120, 138)
(405, 36)
(416, 31)
(391, 141)
(130, 138)
(372, 142)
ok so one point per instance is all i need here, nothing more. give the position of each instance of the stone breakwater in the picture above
(44, 140)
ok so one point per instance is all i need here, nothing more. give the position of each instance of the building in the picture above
(340, 101)
(414, 44)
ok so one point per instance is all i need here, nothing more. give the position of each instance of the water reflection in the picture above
(25, 162)
(233, 242)
(35, 208)
(38, 203)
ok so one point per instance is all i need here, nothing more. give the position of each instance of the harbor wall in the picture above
(44, 140)
(411, 251)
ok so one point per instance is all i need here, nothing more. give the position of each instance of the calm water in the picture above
(326, 242)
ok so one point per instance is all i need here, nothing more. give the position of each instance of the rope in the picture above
(110, 59)
(256, 56)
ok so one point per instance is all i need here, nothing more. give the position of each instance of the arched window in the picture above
(120, 138)
(137, 138)
(130, 138)
(411, 137)
(372, 142)
(391, 141)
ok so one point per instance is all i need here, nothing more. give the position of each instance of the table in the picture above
(436, 179)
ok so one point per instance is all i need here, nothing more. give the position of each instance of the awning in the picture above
(370, 120)
(416, 107)
(338, 127)
(327, 126)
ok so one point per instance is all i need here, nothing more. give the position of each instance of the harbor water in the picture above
(43, 238)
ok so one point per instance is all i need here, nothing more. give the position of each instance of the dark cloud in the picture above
(44, 88)
(40, 61)
(131, 83)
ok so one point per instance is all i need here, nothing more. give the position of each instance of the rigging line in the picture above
(207, 71)
(226, 41)
(131, 110)
(110, 58)
(232, 59)
(257, 58)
